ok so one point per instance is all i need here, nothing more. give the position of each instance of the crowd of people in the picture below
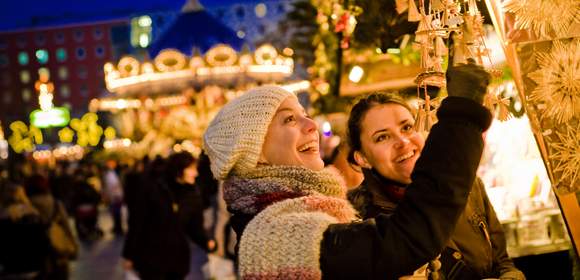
(163, 197)
(420, 210)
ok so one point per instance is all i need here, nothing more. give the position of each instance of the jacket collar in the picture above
(384, 192)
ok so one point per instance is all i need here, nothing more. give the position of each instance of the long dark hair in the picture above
(358, 112)
(176, 163)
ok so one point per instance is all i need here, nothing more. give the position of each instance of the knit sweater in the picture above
(294, 207)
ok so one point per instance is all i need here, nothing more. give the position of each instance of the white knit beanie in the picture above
(233, 141)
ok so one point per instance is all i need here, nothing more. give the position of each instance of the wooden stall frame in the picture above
(568, 203)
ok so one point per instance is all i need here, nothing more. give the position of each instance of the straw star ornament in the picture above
(544, 17)
(558, 80)
(566, 157)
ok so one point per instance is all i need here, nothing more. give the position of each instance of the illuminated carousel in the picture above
(166, 104)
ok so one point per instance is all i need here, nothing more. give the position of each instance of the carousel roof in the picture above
(195, 29)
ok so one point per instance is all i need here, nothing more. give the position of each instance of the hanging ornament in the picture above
(440, 48)
(558, 80)
(401, 6)
(544, 17)
(491, 101)
(413, 14)
(422, 33)
(426, 115)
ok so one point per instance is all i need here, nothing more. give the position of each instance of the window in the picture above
(160, 21)
(260, 10)
(84, 91)
(21, 42)
(281, 8)
(261, 29)
(60, 54)
(64, 91)
(44, 72)
(23, 58)
(6, 79)
(42, 56)
(98, 33)
(79, 36)
(141, 31)
(99, 51)
(59, 38)
(240, 13)
(63, 73)
(26, 94)
(40, 39)
(81, 53)
(7, 98)
(82, 72)
(24, 76)
(4, 61)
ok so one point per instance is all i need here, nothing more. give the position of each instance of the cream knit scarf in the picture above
(294, 207)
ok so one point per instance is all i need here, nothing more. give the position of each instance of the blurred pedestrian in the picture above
(113, 195)
(163, 219)
(52, 211)
(25, 247)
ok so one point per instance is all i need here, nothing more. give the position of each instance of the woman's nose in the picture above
(402, 141)
(309, 125)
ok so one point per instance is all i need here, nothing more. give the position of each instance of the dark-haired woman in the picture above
(387, 147)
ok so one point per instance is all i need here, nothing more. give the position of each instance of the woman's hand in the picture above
(468, 81)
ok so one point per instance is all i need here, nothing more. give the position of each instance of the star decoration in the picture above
(566, 158)
(65, 135)
(544, 17)
(558, 80)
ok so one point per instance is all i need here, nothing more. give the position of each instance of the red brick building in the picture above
(73, 55)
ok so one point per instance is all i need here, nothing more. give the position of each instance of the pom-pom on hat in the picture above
(233, 140)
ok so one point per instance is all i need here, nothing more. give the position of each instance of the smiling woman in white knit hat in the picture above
(291, 216)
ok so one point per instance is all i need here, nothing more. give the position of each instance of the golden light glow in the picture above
(110, 133)
(221, 55)
(170, 60)
(128, 66)
(66, 135)
(265, 54)
(24, 138)
(220, 62)
(356, 74)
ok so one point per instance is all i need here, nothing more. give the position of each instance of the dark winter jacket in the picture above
(388, 247)
(162, 220)
(478, 239)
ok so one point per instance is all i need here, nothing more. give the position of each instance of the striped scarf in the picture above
(293, 206)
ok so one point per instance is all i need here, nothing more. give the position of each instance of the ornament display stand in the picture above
(542, 52)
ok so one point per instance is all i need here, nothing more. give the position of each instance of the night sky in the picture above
(22, 14)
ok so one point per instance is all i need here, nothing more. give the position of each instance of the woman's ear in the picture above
(361, 160)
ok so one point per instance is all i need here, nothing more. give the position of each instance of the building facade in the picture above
(72, 55)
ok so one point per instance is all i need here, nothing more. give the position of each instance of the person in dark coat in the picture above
(51, 210)
(385, 145)
(24, 244)
(291, 216)
(164, 217)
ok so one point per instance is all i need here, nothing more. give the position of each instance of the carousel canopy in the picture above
(195, 29)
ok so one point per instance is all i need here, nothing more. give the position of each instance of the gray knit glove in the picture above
(468, 81)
